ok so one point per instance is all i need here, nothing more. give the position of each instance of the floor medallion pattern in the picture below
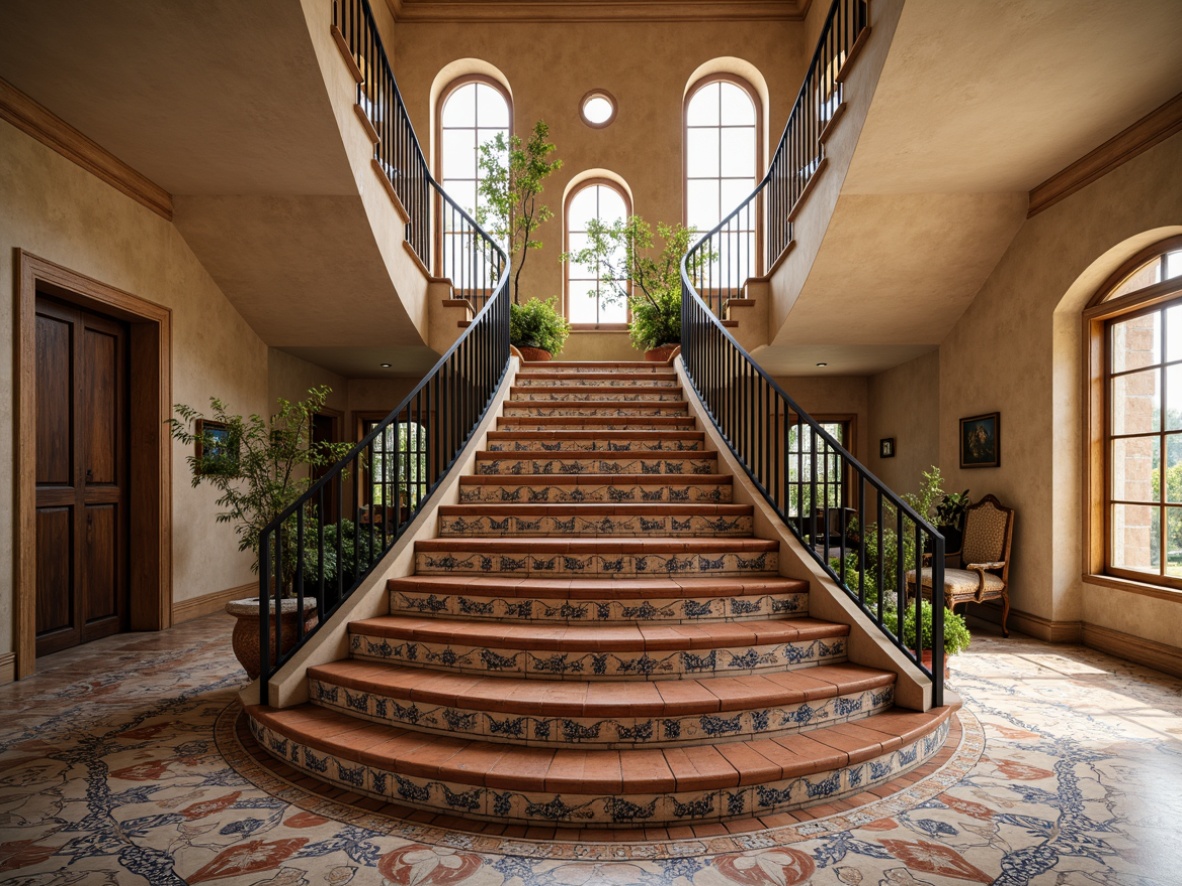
(126, 761)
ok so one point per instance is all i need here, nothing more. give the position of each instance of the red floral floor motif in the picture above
(123, 762)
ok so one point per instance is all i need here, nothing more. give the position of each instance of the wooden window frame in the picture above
(1098, 317)
(628, 211)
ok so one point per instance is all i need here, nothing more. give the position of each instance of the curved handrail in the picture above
(801, 469)
(310, 552)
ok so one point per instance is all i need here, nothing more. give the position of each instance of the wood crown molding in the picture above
(1151, 129)
(55, 133)
(514, 11)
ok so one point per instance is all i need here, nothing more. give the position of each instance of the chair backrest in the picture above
(987, 532)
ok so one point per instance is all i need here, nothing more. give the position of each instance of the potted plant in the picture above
(648, 280)
(260, 466)
(511, 177)
(956, 631)
(537, 329)
(950, 514)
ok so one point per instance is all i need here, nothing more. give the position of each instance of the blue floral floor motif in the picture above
(120, 763)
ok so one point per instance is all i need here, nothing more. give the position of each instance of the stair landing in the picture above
(596, 639)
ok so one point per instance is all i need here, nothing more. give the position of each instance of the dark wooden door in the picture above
(82, 422)
(326, 428)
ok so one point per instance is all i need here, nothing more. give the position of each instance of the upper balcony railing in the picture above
(321, 548)
(865, 536)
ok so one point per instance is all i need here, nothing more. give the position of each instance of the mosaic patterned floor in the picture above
(123, 762)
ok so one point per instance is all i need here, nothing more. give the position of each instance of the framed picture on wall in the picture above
(215, 451)
(980, 441)
(886, 447)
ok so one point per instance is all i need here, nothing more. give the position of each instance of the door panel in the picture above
(81, 385)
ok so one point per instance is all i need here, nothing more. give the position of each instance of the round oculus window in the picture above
(598, 109)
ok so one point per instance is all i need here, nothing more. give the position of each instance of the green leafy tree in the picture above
(632, 270)
(512, 174)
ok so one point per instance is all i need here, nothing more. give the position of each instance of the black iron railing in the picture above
(466, 255)
(312, 551)
(865, 536)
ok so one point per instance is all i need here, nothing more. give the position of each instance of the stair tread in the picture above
(625, 544)
(598, 479)
(603, 455)
(582, 771)
(594, 588)
(599, 507)
(516, 695)
(597, 638)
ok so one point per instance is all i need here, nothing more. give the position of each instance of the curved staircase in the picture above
(596, 638)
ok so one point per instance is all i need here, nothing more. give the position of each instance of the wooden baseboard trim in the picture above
(390, 192)
(418, 261)
(1151, 129)
(848, 65)
(346, 53)
(367, 125)
(808, 189)
(1159, 656)
(1028, 623)
(187, 610)
(780, 259)
(7, 667)
(831, 124)
(56, 134)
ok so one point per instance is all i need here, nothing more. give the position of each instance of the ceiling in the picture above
(597, 10)
(978, 102)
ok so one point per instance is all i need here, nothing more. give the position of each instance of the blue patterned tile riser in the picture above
(496, 524)
(587, 408)
(619, 394)
(613, 732)
(598, 444)
(654, 381)
(616, 665)
(641, 464)
(551, 808)
(664, 611)
(509, 492)
(460, 562)
(579, 423)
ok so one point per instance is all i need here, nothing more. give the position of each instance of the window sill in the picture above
(1133, 587)
(576, 328)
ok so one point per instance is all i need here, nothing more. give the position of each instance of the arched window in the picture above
(722, 162)
(1136, 334)
(473, 111)
(602, 200)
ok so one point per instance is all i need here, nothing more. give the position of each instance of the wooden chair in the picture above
(985, 560)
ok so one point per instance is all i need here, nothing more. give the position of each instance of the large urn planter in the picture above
(925, 656)
(534, 355)
(245, 640)
(662, 353)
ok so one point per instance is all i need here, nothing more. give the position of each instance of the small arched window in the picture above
(1136, 330)
(605, 201)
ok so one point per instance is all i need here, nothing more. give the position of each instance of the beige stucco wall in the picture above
(825, 398)
(54, 209)
(291, 377)
(646, 66)
(905, 404)
(1018, 350)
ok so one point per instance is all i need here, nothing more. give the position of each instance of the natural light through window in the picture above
(606, 203)
(598, 109)
(472, 114)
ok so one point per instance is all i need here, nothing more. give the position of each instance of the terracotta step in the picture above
(623, 367)
(543, 462)
(599, 600)
(617, 380)
(594, 393)
(596, 520)
(577, 488)
(635, 714)
(606, 788)
(585, 558)
(599, 652)
(625, 427)
(621, 410)
(577, 440)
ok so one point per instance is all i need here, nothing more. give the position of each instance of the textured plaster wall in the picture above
(291, 377)
(904, 404)
(59, 212)
(646, 66)
(1018, 350)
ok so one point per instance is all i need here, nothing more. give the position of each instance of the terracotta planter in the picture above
(245, 639)
(534, 355)
(662, 353)
(926, 658)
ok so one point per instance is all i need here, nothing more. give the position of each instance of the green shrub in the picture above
(537, 324)
(956, 632)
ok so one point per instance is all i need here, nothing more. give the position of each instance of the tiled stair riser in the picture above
(604, 810)
(610, 409)
(663, 442)
(460, 562)
(568, 611)
(597, 464)
(595, 422)
(597, 380)
(501, 524)
(575, 490)
(593, 665)
(589, 394)
(601, 732)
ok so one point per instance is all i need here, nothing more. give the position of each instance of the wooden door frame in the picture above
(150, 475)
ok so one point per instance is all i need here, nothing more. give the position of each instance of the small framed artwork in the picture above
(215, 453)
(886, 447)
(980, 441)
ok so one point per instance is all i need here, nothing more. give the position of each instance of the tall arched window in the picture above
(722, 161)
(602, 200)
(1136, 333)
